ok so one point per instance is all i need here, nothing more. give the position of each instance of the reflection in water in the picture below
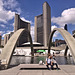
(16, 60)
(32, 60)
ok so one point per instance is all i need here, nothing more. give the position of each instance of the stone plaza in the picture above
(43, 36)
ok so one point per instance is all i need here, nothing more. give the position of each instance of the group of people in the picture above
(51, 61)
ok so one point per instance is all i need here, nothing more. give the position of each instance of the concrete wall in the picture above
(21, 24)
(16, 22)
(43, 25)
(39, 29)
(7, 37)
(35, 30)
(46, 22)
(2, 42)
(0, 39)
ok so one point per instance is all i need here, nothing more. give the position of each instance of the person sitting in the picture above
(54, 62)
(49, 62)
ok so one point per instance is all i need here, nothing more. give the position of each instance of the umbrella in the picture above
(41, 51)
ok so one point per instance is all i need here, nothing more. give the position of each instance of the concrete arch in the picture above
(66, 50)
(11, 44)
(67, 37)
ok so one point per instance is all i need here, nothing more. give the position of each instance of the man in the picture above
(54, 61)
(49, 62)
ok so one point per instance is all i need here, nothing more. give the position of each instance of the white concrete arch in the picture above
(11, 44)
(67, 37)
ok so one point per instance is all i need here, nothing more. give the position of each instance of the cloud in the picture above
(1, 32)
(22, 18)
(12, 24)
(6, 16)
(8, 32)
(52, 27)
(3, 35)
(2, 25)
(56, 33)
(8, 9)
(12, 4)
(32, 32)
(67, 17)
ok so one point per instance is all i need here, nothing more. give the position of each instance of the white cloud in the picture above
(67, 17)
(1, 32)
(12, 24)
(32, 32)
(11, 4)
(56, 33)
(2, 25)
(18, 10)
(22, 18)
(8, 32)
(52, 27)
(3, 35)
(6, 15)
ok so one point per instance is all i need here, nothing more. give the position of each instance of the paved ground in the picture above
(26, 70)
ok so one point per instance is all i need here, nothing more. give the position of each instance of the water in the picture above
(16, 60)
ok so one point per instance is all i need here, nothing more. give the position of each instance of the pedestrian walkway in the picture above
(25, 69)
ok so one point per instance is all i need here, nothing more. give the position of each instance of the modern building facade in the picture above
(39, 29)
(2, 42)
(43, 25)
(59, 42)
(0, 39)
(18, 24)
(7, 37)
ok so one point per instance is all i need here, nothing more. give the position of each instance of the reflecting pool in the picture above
(16, 60)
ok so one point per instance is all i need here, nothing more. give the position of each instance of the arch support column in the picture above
(67, 37)
(66, 50)
(11, 44)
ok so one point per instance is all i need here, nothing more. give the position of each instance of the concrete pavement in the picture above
(65, 70)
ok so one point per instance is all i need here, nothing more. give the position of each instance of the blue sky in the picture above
(62, 11)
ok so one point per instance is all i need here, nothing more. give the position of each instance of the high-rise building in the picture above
(18, 24)
(2, 42)
(39, 29)
(0, 39)
(6, 38)
(59, 42)
(43, 25)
